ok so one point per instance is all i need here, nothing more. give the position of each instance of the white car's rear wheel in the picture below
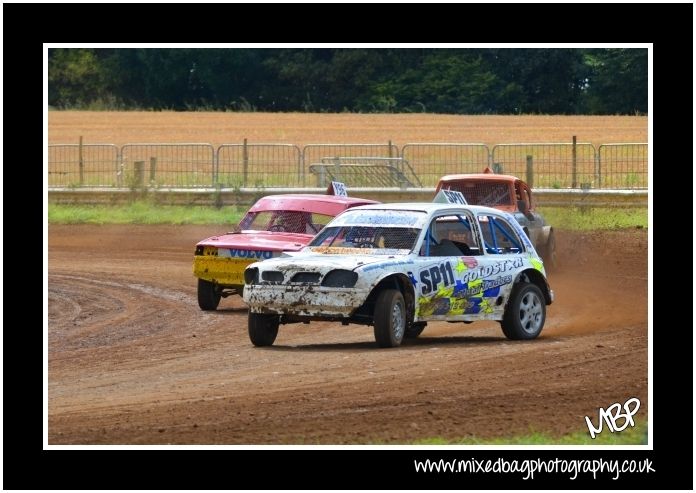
(390, 318)
(525, 314)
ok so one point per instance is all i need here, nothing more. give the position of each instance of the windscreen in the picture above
(373, 232)
(484, 192)
(285, 221)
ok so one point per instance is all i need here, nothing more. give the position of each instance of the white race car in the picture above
(398, 266)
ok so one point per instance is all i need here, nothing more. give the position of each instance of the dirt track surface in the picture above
(132, 360)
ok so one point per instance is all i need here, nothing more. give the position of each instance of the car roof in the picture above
(479, 176)
(305, 202)
(428, 207)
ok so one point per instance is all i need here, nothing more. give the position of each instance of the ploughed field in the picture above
(132, 359)
(112, 127)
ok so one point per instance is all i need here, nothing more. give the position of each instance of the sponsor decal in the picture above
(442, 293)
(384, 265)
(489, 287)
(465, 263)
(327, 250)
(240, 253)
(536, 263)
(437, 275)
(492, 269)
(381, 218)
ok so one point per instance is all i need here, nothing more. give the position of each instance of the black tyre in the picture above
(525, 314)
(263, 329)
(414, 330)
(208, 295)
(549, 253)
(390, 318)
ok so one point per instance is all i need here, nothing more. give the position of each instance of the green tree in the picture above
(437, 81)
(533, 80)
(548, 80)
(617, 81)
(75, 76)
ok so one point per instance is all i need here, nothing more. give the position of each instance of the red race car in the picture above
(274, 224)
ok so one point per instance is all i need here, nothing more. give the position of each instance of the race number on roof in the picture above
(450, 197)
(337, 188)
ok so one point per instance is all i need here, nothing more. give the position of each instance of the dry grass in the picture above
(65, 127)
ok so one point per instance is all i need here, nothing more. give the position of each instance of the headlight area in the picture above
(337, 278)
(251, 275)
(206, 250)
(340, 278)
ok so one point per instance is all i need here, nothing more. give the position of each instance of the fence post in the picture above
(81, 163)
(337, 169)
(530, 171)
(119, 167)
(498, 168)
(575, 163)
(139, 170)
(598, 167)
(245, 161)
(153, 169)
(216, 166)
(300, 167)
(390, 148)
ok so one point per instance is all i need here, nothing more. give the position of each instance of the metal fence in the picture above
(547, 165)
(90, 165)
(167, 165)
(622, 166)
(315, 153)
(259, 165)
(431, 161)
(365, 172)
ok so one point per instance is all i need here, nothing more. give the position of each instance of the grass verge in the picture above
(593, 218)
(637, 435)
(144, 212)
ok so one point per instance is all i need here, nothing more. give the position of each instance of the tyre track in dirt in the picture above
(133, 360)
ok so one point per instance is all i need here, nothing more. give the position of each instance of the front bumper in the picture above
(304, 300)
(225, 271)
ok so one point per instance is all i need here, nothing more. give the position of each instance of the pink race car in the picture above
(274, 224)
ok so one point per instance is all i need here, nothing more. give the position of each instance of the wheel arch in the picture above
(535, 277)
(398, 281)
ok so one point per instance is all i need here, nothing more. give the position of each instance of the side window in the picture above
(528, 197)
(499, 237)
(450, 236)
(525, 194)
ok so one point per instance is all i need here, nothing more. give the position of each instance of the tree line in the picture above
(398, 80)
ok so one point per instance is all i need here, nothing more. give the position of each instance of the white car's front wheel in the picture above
(389, 318)
(263, 329)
